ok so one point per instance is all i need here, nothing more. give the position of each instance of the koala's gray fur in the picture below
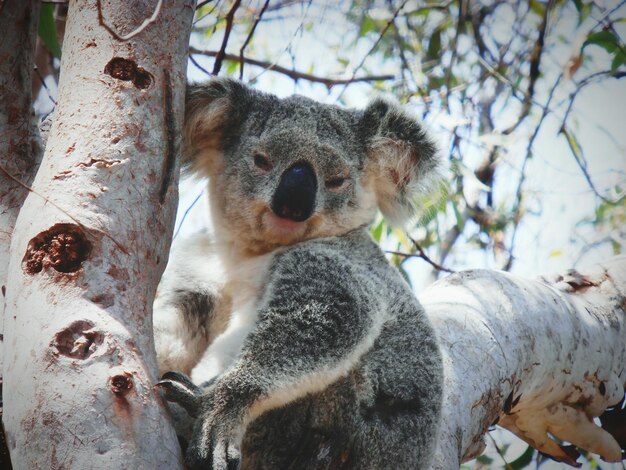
(299, 334)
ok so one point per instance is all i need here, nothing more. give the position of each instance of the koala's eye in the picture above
(335, 183)
(262, 162)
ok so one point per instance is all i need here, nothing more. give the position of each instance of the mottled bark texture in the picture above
(20, 151)
(535, 357)
(91, 242)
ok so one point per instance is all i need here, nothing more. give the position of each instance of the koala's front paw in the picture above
(214, 443)
(212, 446)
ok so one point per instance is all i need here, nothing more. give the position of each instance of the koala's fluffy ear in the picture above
(214, 114)
(402, 160)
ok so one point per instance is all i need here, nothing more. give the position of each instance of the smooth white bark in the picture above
(20, 151)
(539, 357)
(91, 242)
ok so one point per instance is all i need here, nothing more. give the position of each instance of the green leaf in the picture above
(584, 12)
(231, 66)
(377, 230)
(434, 45)
(48, 30)
(619, 59)
(368, 25)
(429, 204)
(605, 39)
(537, 7)
(575, 147)
(523, 460)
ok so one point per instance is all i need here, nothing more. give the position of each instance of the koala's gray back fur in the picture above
(376, 416)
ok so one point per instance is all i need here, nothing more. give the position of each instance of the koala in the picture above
(286, 335)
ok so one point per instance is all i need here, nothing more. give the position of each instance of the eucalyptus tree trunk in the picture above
(91, 242)
(535, 357)
(20, 150)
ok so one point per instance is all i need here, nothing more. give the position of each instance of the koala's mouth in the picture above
(284, 231)
(273, 222)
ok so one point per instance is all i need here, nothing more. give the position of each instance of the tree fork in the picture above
(91, 242)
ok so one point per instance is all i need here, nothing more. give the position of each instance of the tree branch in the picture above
(294, 74)
(229, 26)
(505, 339)
(250, 34)
(534, 69)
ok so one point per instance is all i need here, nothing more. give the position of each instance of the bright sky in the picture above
(558, 193)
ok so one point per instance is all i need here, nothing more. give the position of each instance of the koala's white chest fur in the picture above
(242, 287)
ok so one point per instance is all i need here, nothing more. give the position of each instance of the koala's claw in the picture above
(178, 388)
(212, 445)
(211, 449)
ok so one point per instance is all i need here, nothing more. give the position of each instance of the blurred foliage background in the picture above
(525, 98)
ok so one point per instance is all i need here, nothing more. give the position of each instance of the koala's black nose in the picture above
(294, 198)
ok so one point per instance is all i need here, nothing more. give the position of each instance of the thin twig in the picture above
(493, 72)
(520, 184)
(609, 13)
(426, 258)
(329, 82)
(134, 33)
(578, 157)
(186, 213)
(200, 67)
(594, 77)
(229, 26)
(533, 74)
(420, 254)
(257, 20)
(507, 465)
(427, 7)
(463, 4)
(582, 164)
(289, 45)
(203, 3)
(373, 48)
(43, 84)
(208, 13)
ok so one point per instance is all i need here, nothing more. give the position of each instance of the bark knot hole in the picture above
(63, 247)
(128, 71)
(120, 382)
(78, 341)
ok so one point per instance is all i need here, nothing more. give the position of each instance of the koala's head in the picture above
(286, 170)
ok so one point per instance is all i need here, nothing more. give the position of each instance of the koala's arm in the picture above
(186, 310)
(315, 322)
(316, 319)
